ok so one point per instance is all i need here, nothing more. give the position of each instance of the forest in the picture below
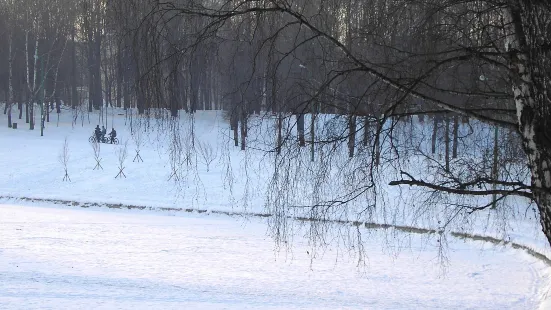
(374, 64)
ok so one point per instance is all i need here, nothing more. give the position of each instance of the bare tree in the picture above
(137, 138)
(206, 153)
(485, 60)
(96, 147)
(64, 159)
(377, 61)
(122, 154)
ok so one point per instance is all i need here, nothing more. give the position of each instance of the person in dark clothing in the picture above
(97, 132)
(103, 132)
(112, 135)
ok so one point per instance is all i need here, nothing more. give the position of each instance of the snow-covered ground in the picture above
(88, 259)
(67, 257)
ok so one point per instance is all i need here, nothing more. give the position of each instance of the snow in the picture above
(76, 258)
(63, 256)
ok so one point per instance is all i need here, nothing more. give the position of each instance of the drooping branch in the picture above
(518, 188)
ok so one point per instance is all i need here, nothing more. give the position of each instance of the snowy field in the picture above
(58, 257)
(87, 259)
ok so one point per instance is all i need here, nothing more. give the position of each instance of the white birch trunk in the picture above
(531, 112)
(10, 77)
(27, 62)
(35, 68)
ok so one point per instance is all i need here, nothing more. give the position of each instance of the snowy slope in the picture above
(69, 259)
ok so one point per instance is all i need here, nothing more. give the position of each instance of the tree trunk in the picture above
(98, 102)
(48, 111)
(234, 123)
(57, 103)
(91, 65)
(41, 92)
(19, 102)
(9, 115)
(184, 93)
(236, 136)
(279, 143)
(9, 98)
(495, 172)
(532, 110)
(447, 141)
(205, 96)
(74, 94)
(366, 132)
(243, 128)
(434, 134)
(174, 92)
(312, 133)
(91, 80)
(140, 99)
(31, 115)
(193, 85)
(126, 82)
(27, 108)
(455, 135)
(119, 75)
(351, 135)
(300, 129)
(378, 143)
(140, 91)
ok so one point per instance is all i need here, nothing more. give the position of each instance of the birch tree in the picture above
(528, 50)
(10, 62)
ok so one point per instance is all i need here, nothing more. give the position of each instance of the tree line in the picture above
(369, 61)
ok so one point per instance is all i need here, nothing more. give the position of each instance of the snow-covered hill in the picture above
(236, 181)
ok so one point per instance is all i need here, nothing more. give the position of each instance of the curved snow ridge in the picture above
(368, 225)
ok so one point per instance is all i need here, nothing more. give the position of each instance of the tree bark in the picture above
(455, 135)
(495, 172)
(174, 90)
(31, 115)
(74, 94)
(9, 98)
(243, 128)
(300, 129)
(234, 123)
(48, 110)
(532, 110)
(27, 107)
(378, 142)
(9, 114)
(351, 135)
(434, 133)
(119, 75)
(312, 132)
(447, 141)
(126, 80)
(366, 138)
(97, 70)
(57, 103)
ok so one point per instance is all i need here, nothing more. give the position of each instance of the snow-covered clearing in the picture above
(67, 257)
(76, 258)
